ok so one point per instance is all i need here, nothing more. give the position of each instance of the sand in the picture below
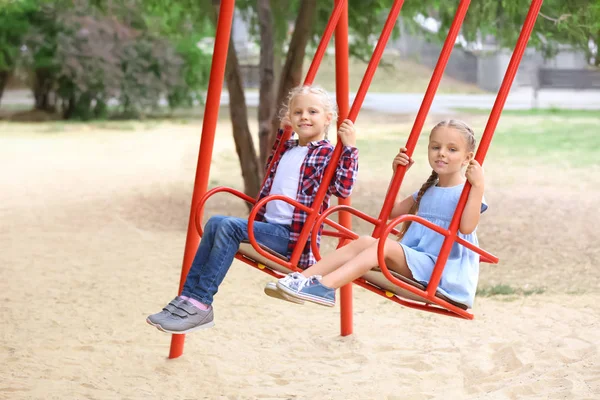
(92, 229)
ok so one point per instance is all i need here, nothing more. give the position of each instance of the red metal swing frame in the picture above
(430, 300)
(339, 22)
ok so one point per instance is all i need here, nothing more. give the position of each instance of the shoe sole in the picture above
(189, 330)
(278, 294)
(307, 297)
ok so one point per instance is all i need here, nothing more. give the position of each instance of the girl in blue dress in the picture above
(451, 147)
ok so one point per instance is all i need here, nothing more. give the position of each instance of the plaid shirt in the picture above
(311, 175)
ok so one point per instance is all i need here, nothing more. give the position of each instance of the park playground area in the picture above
(93, 225)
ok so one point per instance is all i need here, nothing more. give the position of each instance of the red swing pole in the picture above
(342, 97)
(436, 77)
(312, 72)
(486, 139)
(352, 115)
(209, 125)
(310, 76)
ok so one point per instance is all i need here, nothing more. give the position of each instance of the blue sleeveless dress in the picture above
(422, 245)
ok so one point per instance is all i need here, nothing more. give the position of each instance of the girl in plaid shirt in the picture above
(298, 174)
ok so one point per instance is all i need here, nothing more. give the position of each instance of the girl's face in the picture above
(448, 151)
(309, 118)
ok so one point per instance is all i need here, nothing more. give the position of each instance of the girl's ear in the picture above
(468, 158)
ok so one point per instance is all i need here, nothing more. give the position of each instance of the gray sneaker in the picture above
(155, 319)
(186, 318)
(272, 290)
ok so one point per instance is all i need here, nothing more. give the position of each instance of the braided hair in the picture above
(469, 136)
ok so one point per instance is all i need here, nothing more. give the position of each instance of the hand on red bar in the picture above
(474, 174)
(347, 133)
(402, 159)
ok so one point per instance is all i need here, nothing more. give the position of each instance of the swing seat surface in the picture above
(374, 277)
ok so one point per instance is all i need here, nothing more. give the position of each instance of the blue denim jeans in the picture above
(217, 249)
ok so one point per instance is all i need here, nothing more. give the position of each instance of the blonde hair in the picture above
(461, 127)
(469, 136)
(326, 101)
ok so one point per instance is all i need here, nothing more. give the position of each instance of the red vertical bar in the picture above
(312, 70)
(209, 125)
(490, 127)
(352, 114)
(509, 77)
(436, 77)
(342, 96)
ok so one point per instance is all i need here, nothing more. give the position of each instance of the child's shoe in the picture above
(292, 281)
(272, 290)
(310, 290)
(187, 318)
(155, 319)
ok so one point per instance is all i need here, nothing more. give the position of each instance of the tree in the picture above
(185, 23)
(14, 25)
(574, 23)
(82, 56)
(266, 69)
(310, 19)
(291, 75)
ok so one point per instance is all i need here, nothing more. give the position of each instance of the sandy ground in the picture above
(92, 229)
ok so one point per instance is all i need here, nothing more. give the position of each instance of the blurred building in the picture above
(484, 63)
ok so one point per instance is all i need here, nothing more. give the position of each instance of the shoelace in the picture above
(290, 278)
(307, 282)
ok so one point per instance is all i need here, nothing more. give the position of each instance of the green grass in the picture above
(14, 107)
(507, 290)
(568, 141)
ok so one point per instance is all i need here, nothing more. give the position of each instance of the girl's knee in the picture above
(363, 242)
(366, 240)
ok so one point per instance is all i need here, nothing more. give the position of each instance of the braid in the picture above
(432, 180)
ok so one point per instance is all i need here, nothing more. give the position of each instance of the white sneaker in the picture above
(292, 281)
(272, 290)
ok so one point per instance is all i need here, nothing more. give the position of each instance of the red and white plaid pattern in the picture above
(311, 175)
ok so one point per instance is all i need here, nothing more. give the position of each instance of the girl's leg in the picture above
(334, 260)
(362, 262)
(230, 232)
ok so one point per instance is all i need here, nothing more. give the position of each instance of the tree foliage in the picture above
(574, 23)
(14, 24)
(82, 53)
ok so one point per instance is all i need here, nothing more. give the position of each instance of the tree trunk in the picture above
(291, 75)
(41, 90)
(266, 72)
(597, 54)
(3, 80)
(238, 111)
